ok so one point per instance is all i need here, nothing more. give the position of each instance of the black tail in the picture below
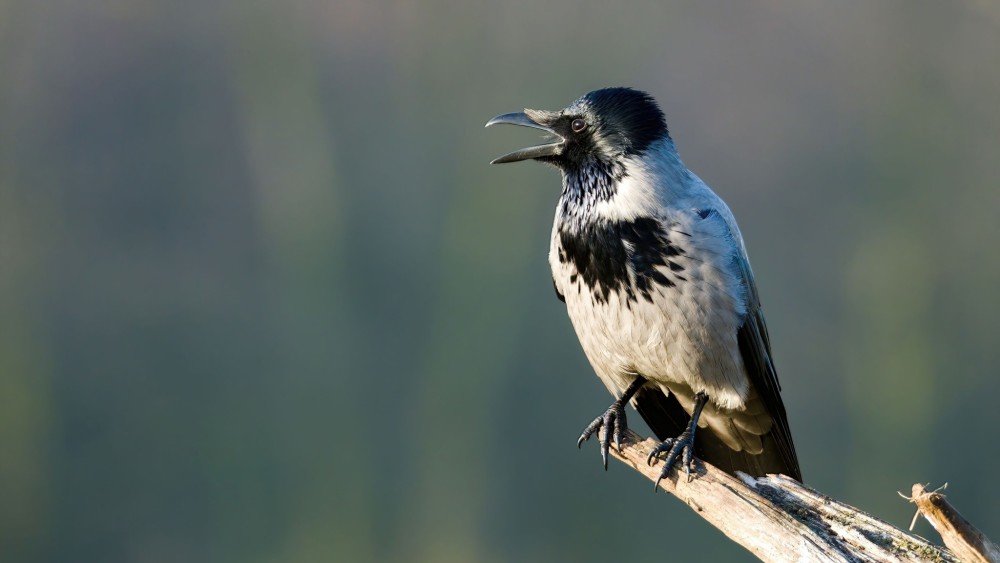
(667, 419)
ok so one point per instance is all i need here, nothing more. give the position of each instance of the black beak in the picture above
(538, 151)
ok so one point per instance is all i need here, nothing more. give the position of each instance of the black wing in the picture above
(755, 348)
(667, 419)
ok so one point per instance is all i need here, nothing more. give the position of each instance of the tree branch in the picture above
(779, 519)
(964, 539)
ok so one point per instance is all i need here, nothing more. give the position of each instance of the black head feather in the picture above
(595, 137)
(627, 118)
(604, 126)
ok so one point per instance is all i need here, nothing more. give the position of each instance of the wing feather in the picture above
(762, 426)
(755, 349)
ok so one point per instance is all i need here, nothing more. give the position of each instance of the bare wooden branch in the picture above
(964, 539)
(779, 519)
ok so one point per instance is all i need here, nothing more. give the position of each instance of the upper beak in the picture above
(537, 151)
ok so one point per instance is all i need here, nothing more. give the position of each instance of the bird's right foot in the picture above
(613, 422)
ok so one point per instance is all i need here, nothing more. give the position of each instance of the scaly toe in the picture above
(589, 430)
(659, 449)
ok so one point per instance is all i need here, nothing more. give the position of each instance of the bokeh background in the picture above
(263, 299)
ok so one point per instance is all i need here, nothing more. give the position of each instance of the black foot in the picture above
(613, 421)
(681, 446)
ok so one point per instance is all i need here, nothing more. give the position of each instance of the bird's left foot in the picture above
(681, 446)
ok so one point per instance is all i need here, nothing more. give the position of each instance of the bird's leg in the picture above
(682, 445)
(613, 421)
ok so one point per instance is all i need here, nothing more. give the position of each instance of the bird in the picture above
(654, 274)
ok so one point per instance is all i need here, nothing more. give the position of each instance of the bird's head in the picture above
(604, 127)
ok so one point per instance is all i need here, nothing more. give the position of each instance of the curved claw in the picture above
(589, 431)
(659, 449)
(614, 423)
(682, 446)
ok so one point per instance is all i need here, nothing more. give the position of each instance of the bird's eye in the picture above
(578, 125)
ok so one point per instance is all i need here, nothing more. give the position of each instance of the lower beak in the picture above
(547, 150)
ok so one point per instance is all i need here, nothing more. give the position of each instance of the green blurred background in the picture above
(263, 299)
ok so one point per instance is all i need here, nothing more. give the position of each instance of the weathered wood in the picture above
(778, 519)
(965, 540)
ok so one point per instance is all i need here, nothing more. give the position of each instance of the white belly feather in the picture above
(683, 336)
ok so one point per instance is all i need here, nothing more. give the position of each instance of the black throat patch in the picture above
(603, 253)
(588, 185)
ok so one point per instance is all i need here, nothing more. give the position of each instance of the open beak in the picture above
(525, 119)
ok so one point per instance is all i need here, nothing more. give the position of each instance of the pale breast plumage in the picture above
(672, 310)
(664, 297)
